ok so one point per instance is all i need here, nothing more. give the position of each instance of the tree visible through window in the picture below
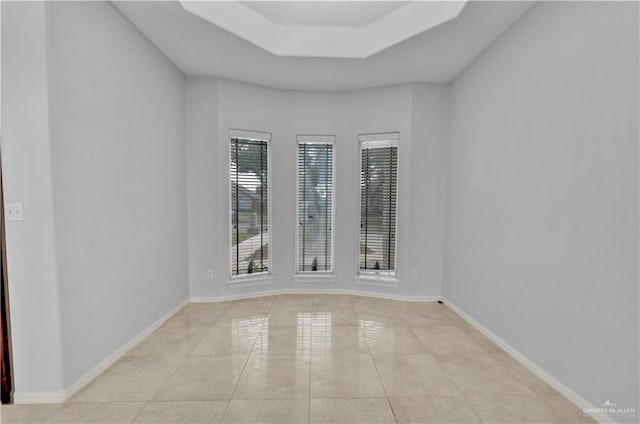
(249, 177)
(378, 195)
(315, 204)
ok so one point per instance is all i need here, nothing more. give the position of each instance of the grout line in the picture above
(140, 411)
(386, 395)
(177, 367)
(460, 393)
(235, 387)
(226, 409)
(252, 350)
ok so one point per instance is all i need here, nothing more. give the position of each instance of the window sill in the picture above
(314, 277)
(252, 281)
(376, 280)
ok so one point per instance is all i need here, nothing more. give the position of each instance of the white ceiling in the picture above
(199, 48)
(324, 13)
(331, 39)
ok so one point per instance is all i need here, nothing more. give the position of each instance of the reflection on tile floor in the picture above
(311, 359)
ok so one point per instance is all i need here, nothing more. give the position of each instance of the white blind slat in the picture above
(378, 203)
(315, 204)
(249, 178)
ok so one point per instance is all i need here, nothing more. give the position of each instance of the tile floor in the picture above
(311, 359)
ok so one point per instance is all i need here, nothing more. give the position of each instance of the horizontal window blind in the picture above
(315, 204)
(249, 176)
(378, 203)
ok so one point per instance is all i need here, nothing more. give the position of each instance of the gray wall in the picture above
(26, 169)
(541, 201)
(214, 106)
(542, 194)
(430, 112)
(94, 145)
(119, 173)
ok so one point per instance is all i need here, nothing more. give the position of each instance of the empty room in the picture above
(320, 212)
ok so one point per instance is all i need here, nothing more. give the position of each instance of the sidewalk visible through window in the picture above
(250, 196)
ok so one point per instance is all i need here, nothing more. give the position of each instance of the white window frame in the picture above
(318, 276)
(258, 278)
(381, 277)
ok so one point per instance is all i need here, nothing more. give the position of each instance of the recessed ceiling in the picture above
(324, 13)
(201, 49)
(325, 29)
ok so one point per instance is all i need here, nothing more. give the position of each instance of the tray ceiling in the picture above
(200, 48)
(325, 29)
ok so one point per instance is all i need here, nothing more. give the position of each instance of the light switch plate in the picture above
(13, 212)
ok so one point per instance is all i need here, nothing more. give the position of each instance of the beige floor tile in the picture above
(392, 339)
(481, 339)
(526, 377)
(270, 298)
(481, 374)
(96, 412)
(253, 303)
(565, 411)
(514, 409)
(274, 377)
(271, 354)
(344, 376)
(293, 318)
(203, 378)
(375, 302)
(351, 411)
(334, 318)
(417, 306)
(267, 411)
(206, 308)
(284, 340)
(428, 314)
(447, 339)
(433, 410)
(241, 319)
(331, 302)
(340, 339)
(227, 341)
(196, 315)
(26, 414)
(247, 311)
(182, 412)
(170, 341)
(132, 378)
(378, 316)
(412, 375)
(449, 313)
(293, 302)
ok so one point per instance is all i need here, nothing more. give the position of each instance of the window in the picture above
(315, 204)
(250, 196)
(378, 198)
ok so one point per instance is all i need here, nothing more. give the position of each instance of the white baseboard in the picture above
(563, 389)
(39, 397)
(63, 395)
(89, 376)
(315, 291)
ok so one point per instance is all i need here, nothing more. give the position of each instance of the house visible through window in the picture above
(315, 204)
(250, 196)
(378, 196)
